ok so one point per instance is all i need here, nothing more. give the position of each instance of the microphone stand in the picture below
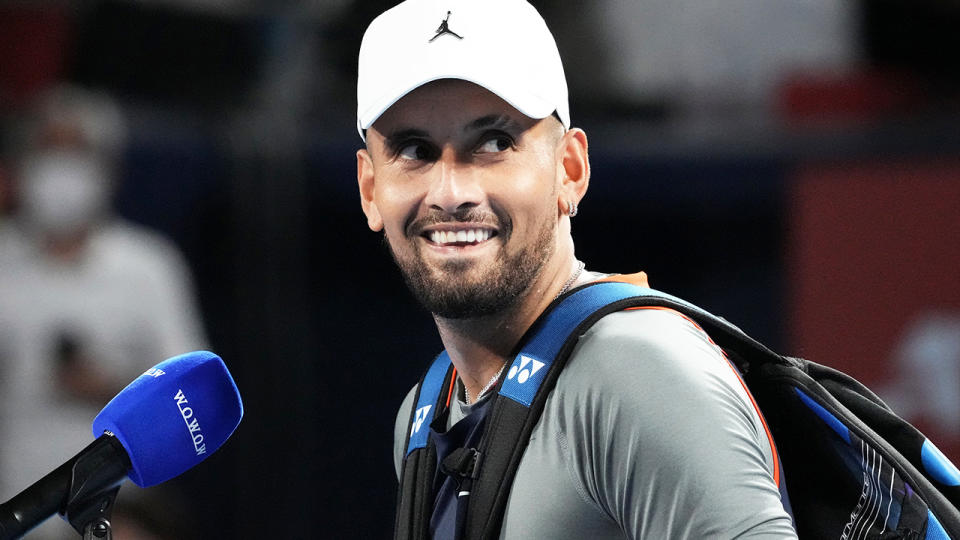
(90, 480)
(93, 515)
(94, 485)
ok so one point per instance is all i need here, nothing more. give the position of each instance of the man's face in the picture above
(465, 188)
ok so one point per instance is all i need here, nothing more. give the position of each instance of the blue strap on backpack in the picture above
(856, 469)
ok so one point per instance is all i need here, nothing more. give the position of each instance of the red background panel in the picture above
(873, 246)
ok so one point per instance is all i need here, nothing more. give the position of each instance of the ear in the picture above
(365, 180)
(574, 168)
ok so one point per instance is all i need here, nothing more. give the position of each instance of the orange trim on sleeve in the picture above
(766, 428)
(639, 279)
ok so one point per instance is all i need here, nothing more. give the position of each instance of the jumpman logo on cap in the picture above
(444, 29)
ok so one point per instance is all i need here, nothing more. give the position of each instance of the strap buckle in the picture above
(462, 463)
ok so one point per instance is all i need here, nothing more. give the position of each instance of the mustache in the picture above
(467, 215)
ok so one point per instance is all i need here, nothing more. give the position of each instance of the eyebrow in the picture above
(499, 121)
(395, 138)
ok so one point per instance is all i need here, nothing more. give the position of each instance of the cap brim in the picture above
(527, 103)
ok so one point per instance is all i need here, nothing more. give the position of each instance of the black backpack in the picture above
(854, 469)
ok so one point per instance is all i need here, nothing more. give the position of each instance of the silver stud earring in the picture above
(571, 208)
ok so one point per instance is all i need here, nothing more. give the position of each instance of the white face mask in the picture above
(63, 192)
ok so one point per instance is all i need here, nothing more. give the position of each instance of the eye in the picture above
(495, 143)
(414, 151)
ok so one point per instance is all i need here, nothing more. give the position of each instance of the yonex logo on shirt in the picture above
(528, 366)
(419, 418)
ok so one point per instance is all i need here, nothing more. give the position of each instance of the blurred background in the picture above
(790, 165)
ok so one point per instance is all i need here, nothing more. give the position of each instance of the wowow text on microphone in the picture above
(193, 425)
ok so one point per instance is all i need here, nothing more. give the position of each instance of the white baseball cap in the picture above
(501, 45)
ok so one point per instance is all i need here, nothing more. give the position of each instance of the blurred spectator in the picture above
(87, 301)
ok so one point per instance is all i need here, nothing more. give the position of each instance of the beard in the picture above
(450, 292)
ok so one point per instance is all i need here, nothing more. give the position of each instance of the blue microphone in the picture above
(173, 416)
(167, 420)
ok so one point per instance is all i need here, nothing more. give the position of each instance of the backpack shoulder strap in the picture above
(533, 374)
(414, 499)
(521, 397)
(429, 392)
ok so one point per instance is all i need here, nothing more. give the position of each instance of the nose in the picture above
(455, 187)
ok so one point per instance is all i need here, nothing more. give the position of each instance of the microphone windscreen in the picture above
(173, 416)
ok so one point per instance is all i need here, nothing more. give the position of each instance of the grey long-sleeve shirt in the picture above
(648, 434)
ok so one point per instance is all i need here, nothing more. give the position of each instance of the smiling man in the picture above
(472, 173)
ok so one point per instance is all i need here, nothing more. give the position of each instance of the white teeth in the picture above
(464, 236)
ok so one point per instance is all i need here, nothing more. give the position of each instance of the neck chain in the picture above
(493, 380)
(489, 385)
(572, 280)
